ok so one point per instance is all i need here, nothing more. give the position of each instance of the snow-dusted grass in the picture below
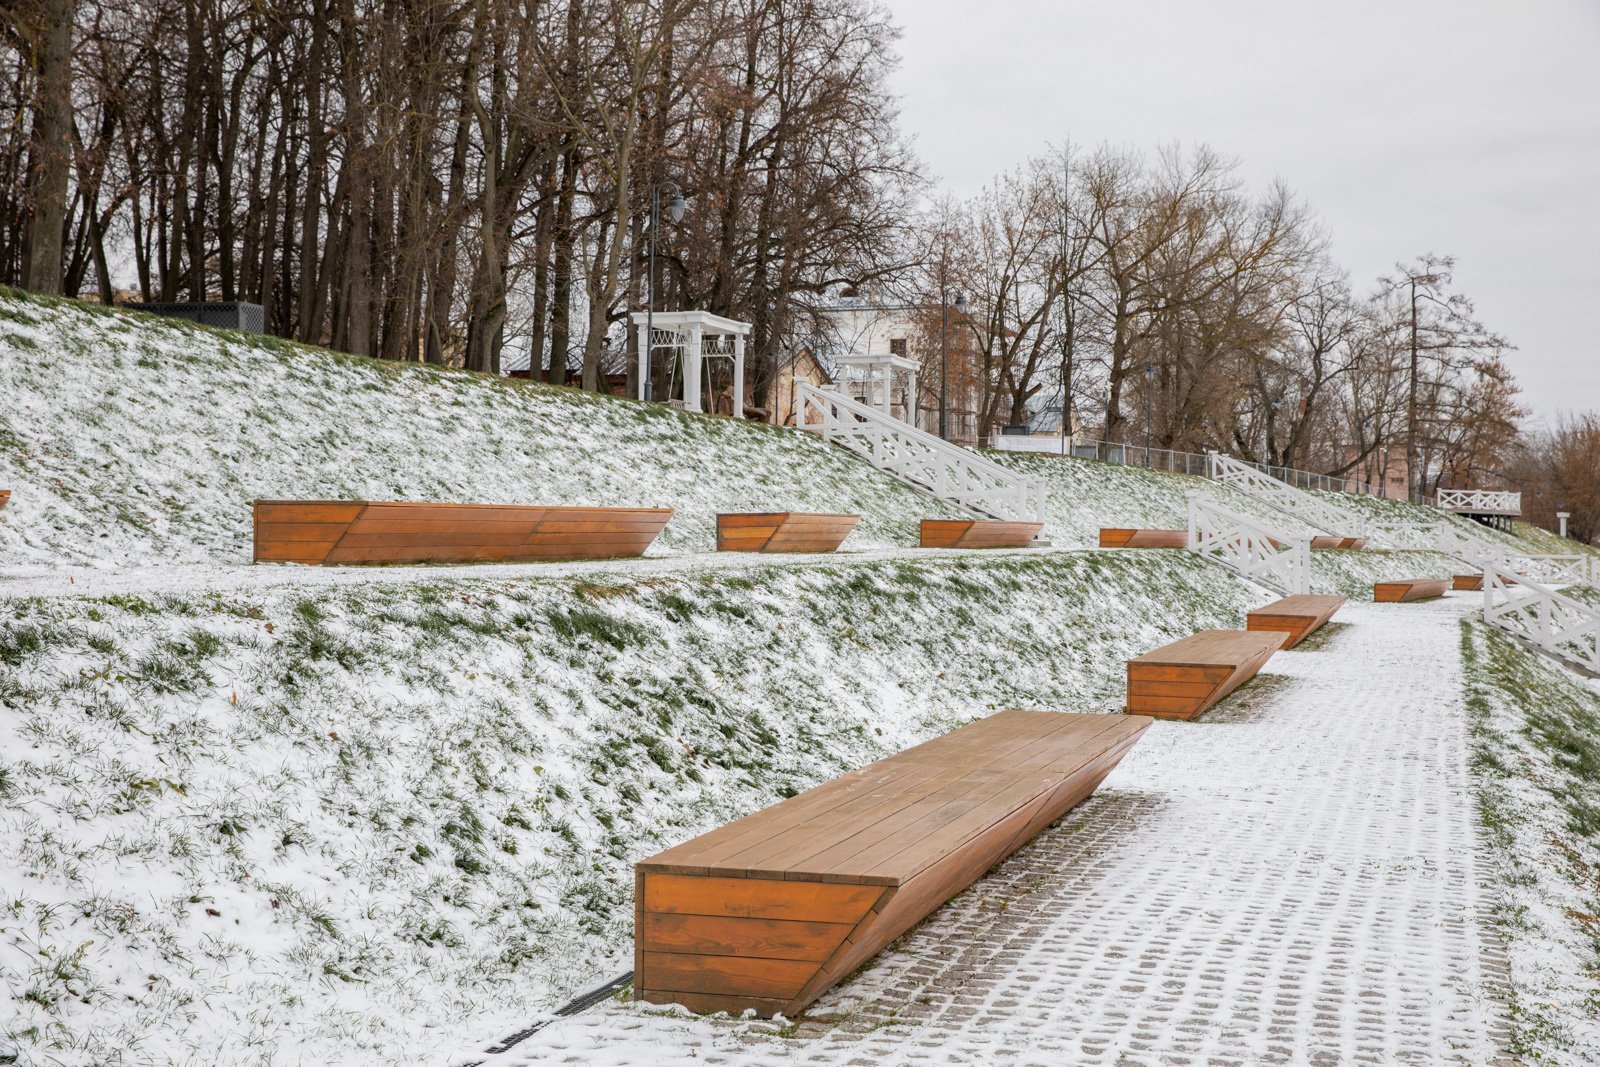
(132, 440)
(1350, 572)
(369, 824)
(1536, 733)
(1086, 494)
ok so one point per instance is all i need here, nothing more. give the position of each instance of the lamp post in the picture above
(1149, 405)
(676, 207)
(944, 352)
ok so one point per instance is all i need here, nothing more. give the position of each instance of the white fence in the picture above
(1558, 625)
(1248, 548)
(1551, 569)
(1479, 502)
(947, 471)
(1313, 511)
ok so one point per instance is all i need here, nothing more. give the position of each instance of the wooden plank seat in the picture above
(1405, 590)
(978, 533)
(767, 912)
(782, 531)
(1325, 541)
(1466, 582)
(1183, 679)
(1121, 538)
(1297, 616)
(360, 531)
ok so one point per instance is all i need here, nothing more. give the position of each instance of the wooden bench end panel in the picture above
(1466, 582)
(1123, 538)
(978, 533)
(783, 531)
(1408, 590)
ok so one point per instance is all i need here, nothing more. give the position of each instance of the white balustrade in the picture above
(947, 471)
(1558, 625)
(1479, 502)
(1311, 510)
(1249, 549)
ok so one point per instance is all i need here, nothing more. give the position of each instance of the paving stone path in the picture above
(1294, 879)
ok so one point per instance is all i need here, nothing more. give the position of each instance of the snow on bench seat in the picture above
(1325, 541)
(360, 531)
(1183, 679)
(1297, 616)
(1466, 582)
(767, 912)
(978, 533)
(1122, 538)
(783, 531)
(1405, 590)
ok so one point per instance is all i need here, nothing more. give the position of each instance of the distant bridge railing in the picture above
(1479, 502)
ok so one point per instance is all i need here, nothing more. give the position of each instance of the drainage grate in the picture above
(583, 1002)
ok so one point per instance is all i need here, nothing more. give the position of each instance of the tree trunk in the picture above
(51, 149)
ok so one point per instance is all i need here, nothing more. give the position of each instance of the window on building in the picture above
(897, 346)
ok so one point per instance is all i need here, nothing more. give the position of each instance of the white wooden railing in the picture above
(947, 471)
(1479, 502)
(1556, 624)
(1311, 510)
(1551, 569)
(1246, 547)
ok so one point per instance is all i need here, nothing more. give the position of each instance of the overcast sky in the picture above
(1468, 128)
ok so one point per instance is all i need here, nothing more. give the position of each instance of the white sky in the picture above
(1463, 127)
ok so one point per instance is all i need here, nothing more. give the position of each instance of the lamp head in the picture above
(962, 303)
(677, 207)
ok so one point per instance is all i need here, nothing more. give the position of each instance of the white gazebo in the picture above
(877, 374)
(691, 338)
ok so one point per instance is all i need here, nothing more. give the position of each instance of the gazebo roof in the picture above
(680, 321)
(862, 359)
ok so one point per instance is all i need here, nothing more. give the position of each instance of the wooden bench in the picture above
(1404, 591)
(767, 912)
(1324, 541)
(1467, 582)
(1297, 616)
(1120, 538)
(1183, 679)
(358, 531)
(783, 531)
(5, 497)
(978, 533)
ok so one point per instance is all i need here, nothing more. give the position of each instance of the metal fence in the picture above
(1163, 459)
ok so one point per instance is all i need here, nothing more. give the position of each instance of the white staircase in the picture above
(1249, 549)
(1557, 625)
(948, 471)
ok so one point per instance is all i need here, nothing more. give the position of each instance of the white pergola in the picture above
(878, 371)
(693, 337)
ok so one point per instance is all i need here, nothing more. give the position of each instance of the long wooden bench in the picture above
(1404, 591)
(1466, 582)
(768, 912)
(1325, 541)
(1297, 616)
(978, 533)
(1122, 538)
(782, 531)
(1183, 679)
(358, 531)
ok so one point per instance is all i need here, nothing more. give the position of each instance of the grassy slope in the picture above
(1536, 742)
(264, 828)
(136, 440)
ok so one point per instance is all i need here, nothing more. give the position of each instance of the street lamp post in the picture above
(676, 207)
(944, 352)
(1149, 406)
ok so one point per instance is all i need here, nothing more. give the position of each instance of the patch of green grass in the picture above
(581, 624)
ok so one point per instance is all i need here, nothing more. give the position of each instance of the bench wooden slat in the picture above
(1323, 541)
(1209, 664)
(1297, 616)
(1120, 537)
(977, 533)
(345, 531)
(1466, 582)
(783, 531)
(5, 497)
(856, 861)
(1406, 590)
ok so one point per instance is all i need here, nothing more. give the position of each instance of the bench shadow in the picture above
(1250, 702)
(1319, 640)
(964, 950)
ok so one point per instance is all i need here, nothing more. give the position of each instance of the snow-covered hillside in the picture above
(364, 825)
(131, 440)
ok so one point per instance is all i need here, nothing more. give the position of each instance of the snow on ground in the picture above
(135, 441)
(1296, 878)
(367, 823)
